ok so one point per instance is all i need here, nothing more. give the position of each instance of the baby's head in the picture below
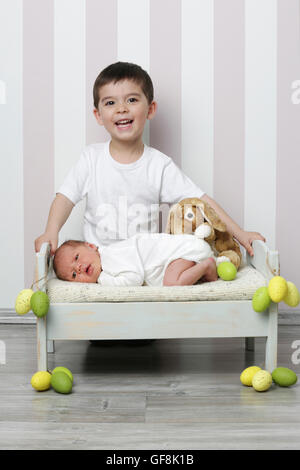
(77, 261)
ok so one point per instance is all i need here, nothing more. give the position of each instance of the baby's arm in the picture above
(245, 238)
(59, 212)
(128, 278)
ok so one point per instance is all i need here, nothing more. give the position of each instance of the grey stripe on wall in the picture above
(229, 128)
(165, 71)
(101, 50)
(38, 123)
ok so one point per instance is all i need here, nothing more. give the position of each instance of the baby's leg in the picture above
(181, 272)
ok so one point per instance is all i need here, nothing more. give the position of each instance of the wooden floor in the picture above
(173, 394)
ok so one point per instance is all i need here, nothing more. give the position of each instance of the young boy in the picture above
(158, 259)
(123, 180)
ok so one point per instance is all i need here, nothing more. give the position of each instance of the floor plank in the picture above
(172, 394)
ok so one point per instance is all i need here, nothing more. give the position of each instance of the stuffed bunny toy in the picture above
(192, 215)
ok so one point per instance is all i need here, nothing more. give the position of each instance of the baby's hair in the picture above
(120, 71)
(59, 251)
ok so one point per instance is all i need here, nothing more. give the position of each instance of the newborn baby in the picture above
(155, 259)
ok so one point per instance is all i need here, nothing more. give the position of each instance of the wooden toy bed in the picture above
(221, 309)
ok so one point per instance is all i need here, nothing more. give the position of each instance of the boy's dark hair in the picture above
(121, 71)
(56, 255)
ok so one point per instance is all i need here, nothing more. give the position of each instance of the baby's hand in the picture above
(246, 239)
(46, 237)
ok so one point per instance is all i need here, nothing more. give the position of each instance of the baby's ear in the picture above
(91, 245)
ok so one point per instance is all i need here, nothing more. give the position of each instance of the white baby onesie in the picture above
(145, 257)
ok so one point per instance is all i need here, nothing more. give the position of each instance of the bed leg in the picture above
(271, 343)
(50, 346)
(41, 344)
(249, 344)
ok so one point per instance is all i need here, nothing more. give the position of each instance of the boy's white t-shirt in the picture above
(123, 199)
(146, 256)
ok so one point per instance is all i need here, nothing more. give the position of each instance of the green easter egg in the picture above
(65, 370)
(61, 382)
(261, 299)
(284, 377)
(39, 303)
(226, 271)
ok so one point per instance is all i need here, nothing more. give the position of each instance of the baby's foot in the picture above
(211, 271)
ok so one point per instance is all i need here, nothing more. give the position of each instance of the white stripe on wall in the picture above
(69, 97)
(2, 92)
(11, 161)
(260, 117)
(133, 37)
(197, 91)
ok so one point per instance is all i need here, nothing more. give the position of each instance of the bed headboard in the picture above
(43, 266)
(266, 261)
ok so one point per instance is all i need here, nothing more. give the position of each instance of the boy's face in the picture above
(123, 110)
(80, 263)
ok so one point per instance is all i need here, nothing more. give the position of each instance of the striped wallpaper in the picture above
(224, 73)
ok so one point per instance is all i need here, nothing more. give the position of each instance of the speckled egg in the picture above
(262, 381)
(22, 305)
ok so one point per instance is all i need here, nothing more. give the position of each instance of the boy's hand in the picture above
(46, 237)
(246, 239)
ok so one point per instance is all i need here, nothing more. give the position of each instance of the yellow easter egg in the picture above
(248, 374)
(277, 288)
(22, 305)
(292, 297)
(262, 381)
(40, 381)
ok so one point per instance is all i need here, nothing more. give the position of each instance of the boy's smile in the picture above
(123, 110)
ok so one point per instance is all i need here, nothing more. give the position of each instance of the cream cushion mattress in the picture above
(241, 288)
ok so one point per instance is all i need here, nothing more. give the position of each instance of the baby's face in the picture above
(79, 263)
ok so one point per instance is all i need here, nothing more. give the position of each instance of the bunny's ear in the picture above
(174, 222)
(211, 216)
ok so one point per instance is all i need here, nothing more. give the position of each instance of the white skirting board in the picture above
(10, 316)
